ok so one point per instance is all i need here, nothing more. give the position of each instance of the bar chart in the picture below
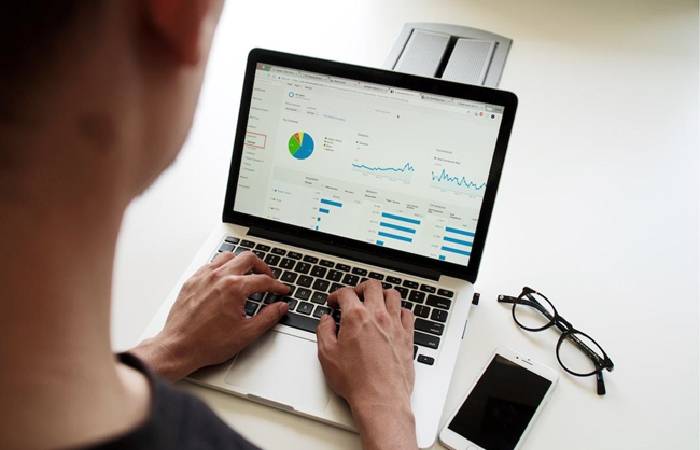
(397, 228)
(457, 242)
(326, 206)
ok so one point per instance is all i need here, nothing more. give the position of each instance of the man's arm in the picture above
(207, 324)
(370, 363)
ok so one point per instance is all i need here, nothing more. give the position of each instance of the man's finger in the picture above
(407, 320)
(327, 339)
(261, 283)
(220, 259)
(265, 319)
(372, 293)
(344, 298)
(393, 302)
(245, 263)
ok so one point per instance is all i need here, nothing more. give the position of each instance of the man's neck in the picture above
(55, 322)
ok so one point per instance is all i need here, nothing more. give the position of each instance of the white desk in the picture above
(597, 206)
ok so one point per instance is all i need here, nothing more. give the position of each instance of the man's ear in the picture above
(184, 26)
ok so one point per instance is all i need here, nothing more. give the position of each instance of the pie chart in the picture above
(301, 145)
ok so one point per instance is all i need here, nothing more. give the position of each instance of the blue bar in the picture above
(458, 231)
(402, 219)
(441, 257)
(325, 201)
(316, 227)
(318, 219)
(380, 243)
(324, 210)
(395, 236)
(458, 241)
(456, 250)
(397, 227)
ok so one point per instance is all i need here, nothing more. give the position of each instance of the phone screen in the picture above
(499, 408)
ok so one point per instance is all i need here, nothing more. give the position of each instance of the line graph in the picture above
(445, 178)
(406, 168)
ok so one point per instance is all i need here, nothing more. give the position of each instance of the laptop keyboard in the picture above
(310, 280)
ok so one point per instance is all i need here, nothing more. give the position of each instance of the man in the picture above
(96, 99)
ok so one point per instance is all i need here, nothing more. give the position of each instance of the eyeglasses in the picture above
(577, 353)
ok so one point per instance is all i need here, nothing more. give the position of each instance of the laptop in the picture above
(341, 174)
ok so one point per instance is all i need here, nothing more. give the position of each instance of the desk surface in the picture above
(598, 205)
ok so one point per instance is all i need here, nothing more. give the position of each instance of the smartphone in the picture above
(502, 405)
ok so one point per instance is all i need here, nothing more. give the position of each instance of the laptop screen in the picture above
(384, 165)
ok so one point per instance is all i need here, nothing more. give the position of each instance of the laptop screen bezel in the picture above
(374, 254)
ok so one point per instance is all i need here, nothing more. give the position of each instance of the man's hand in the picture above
(207, 324)
(370, 363)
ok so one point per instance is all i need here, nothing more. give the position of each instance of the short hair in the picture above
(30, 35)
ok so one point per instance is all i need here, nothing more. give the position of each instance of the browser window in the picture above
(384, 165)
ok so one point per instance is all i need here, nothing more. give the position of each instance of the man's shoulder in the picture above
(177, 420)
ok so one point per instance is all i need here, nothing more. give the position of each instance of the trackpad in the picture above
(282, 369)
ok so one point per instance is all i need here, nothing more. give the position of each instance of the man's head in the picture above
(98, 94)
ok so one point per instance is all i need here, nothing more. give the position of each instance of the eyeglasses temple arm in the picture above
(507, 299)
(601, 383)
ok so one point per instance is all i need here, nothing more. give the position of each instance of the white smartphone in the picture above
(501, 406)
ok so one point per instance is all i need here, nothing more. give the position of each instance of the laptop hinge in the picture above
(344, 252)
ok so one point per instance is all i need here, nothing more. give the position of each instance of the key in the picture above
(278, 251)
(287, 263)
(350, 280)
(318, 271)
(226, 247)
(407, 305)
(259, 254)
(401, 290)
(250, 308)
(310, 259)
(305, 308)
(321, 285)
(294, 255)
(426, 360)
(385, 285)
(289, 277)
(427, 288)
(300, 322)
(439, 315)
(359, 271)
(319, 298)
(394, 280)
(256, 296)
(302, 293)
(247, 243)
(334, 275)
(302, 267)
(272, 298)
(276, 271)
(291, 287)
(376, 276)
(410, 284)
(327, 263)
(342, 267)
(321, 310)
(429, 326)
(240, 250)
(445, 293)
(426, 340)
(421, 311)
(416, 296)
(290, 302)
(336, 286)
(262, 247)
(415, 351)
(232, 240)
(437, 301)
(304, 281)
(272, 260)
